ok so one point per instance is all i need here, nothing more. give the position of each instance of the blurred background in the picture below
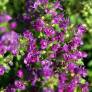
(79, 11)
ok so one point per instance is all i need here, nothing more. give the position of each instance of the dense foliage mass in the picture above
(40, 51)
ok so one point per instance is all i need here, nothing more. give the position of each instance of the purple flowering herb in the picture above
(85, 87)
(5, 18)
(32, 57)
(43, 43)
(39, 2)
(57, 19)
(28, 35)
(48, 53)
(10, 41)
(39, 25)
(48, 90)
(46, 63)
(3, 29)
(19, 85)
(62, 78)
(2, 70)
(2, 48)
(8, 17)
(64, 24)
(10, 88)
(82, 71)
(20, 73)
(72, 66)
(57, 5)
(13, 25)
(81, 29)
(67, 51)
(47, 71)
(49, 32)
(52, 55)
(55, 47)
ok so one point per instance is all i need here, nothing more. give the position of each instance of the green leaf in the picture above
(80, 62)
(56, 27)
(3, 2)
(77, 89)
(82, 81)
(90, 64)
(89, 72)
(4, 24)
(18, 57)
(49, 5)
(1, 59)
(48, 17)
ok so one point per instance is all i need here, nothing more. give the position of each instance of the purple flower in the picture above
(65, 48)
(39, 2)
(81, 29)
(70, 56)
(10, 88)
(5, 18)
(20, 85)
(61, 36)
(8, 17)
(60, 90)
(73, 84)
(43, 43)
(27, 34)
(46, 68)
(80, 54)
(43, 1)
(46, 63)
(34, 80)
(51, 12)
(36, 4)
(47, 71)
(3, 29)
(55, 47)
(10, 41)
(76, 42)
(20, 73)
(33, 77)
(32, 57)
(2, 70)
(75, 81)
(64, 24)
(2, 48)
(26, 18)
(62, 82)
(52, 55)
(62, 78)
(57, 5)
(29, 4)
(71, 67)
(85, 87)
(70, 89)
(39, 25)
(13, 25)
(48, 90)
(82, 71)
(32, 45)
(57, 19)
(49, 31)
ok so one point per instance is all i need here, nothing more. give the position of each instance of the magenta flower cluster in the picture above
(42, 56)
